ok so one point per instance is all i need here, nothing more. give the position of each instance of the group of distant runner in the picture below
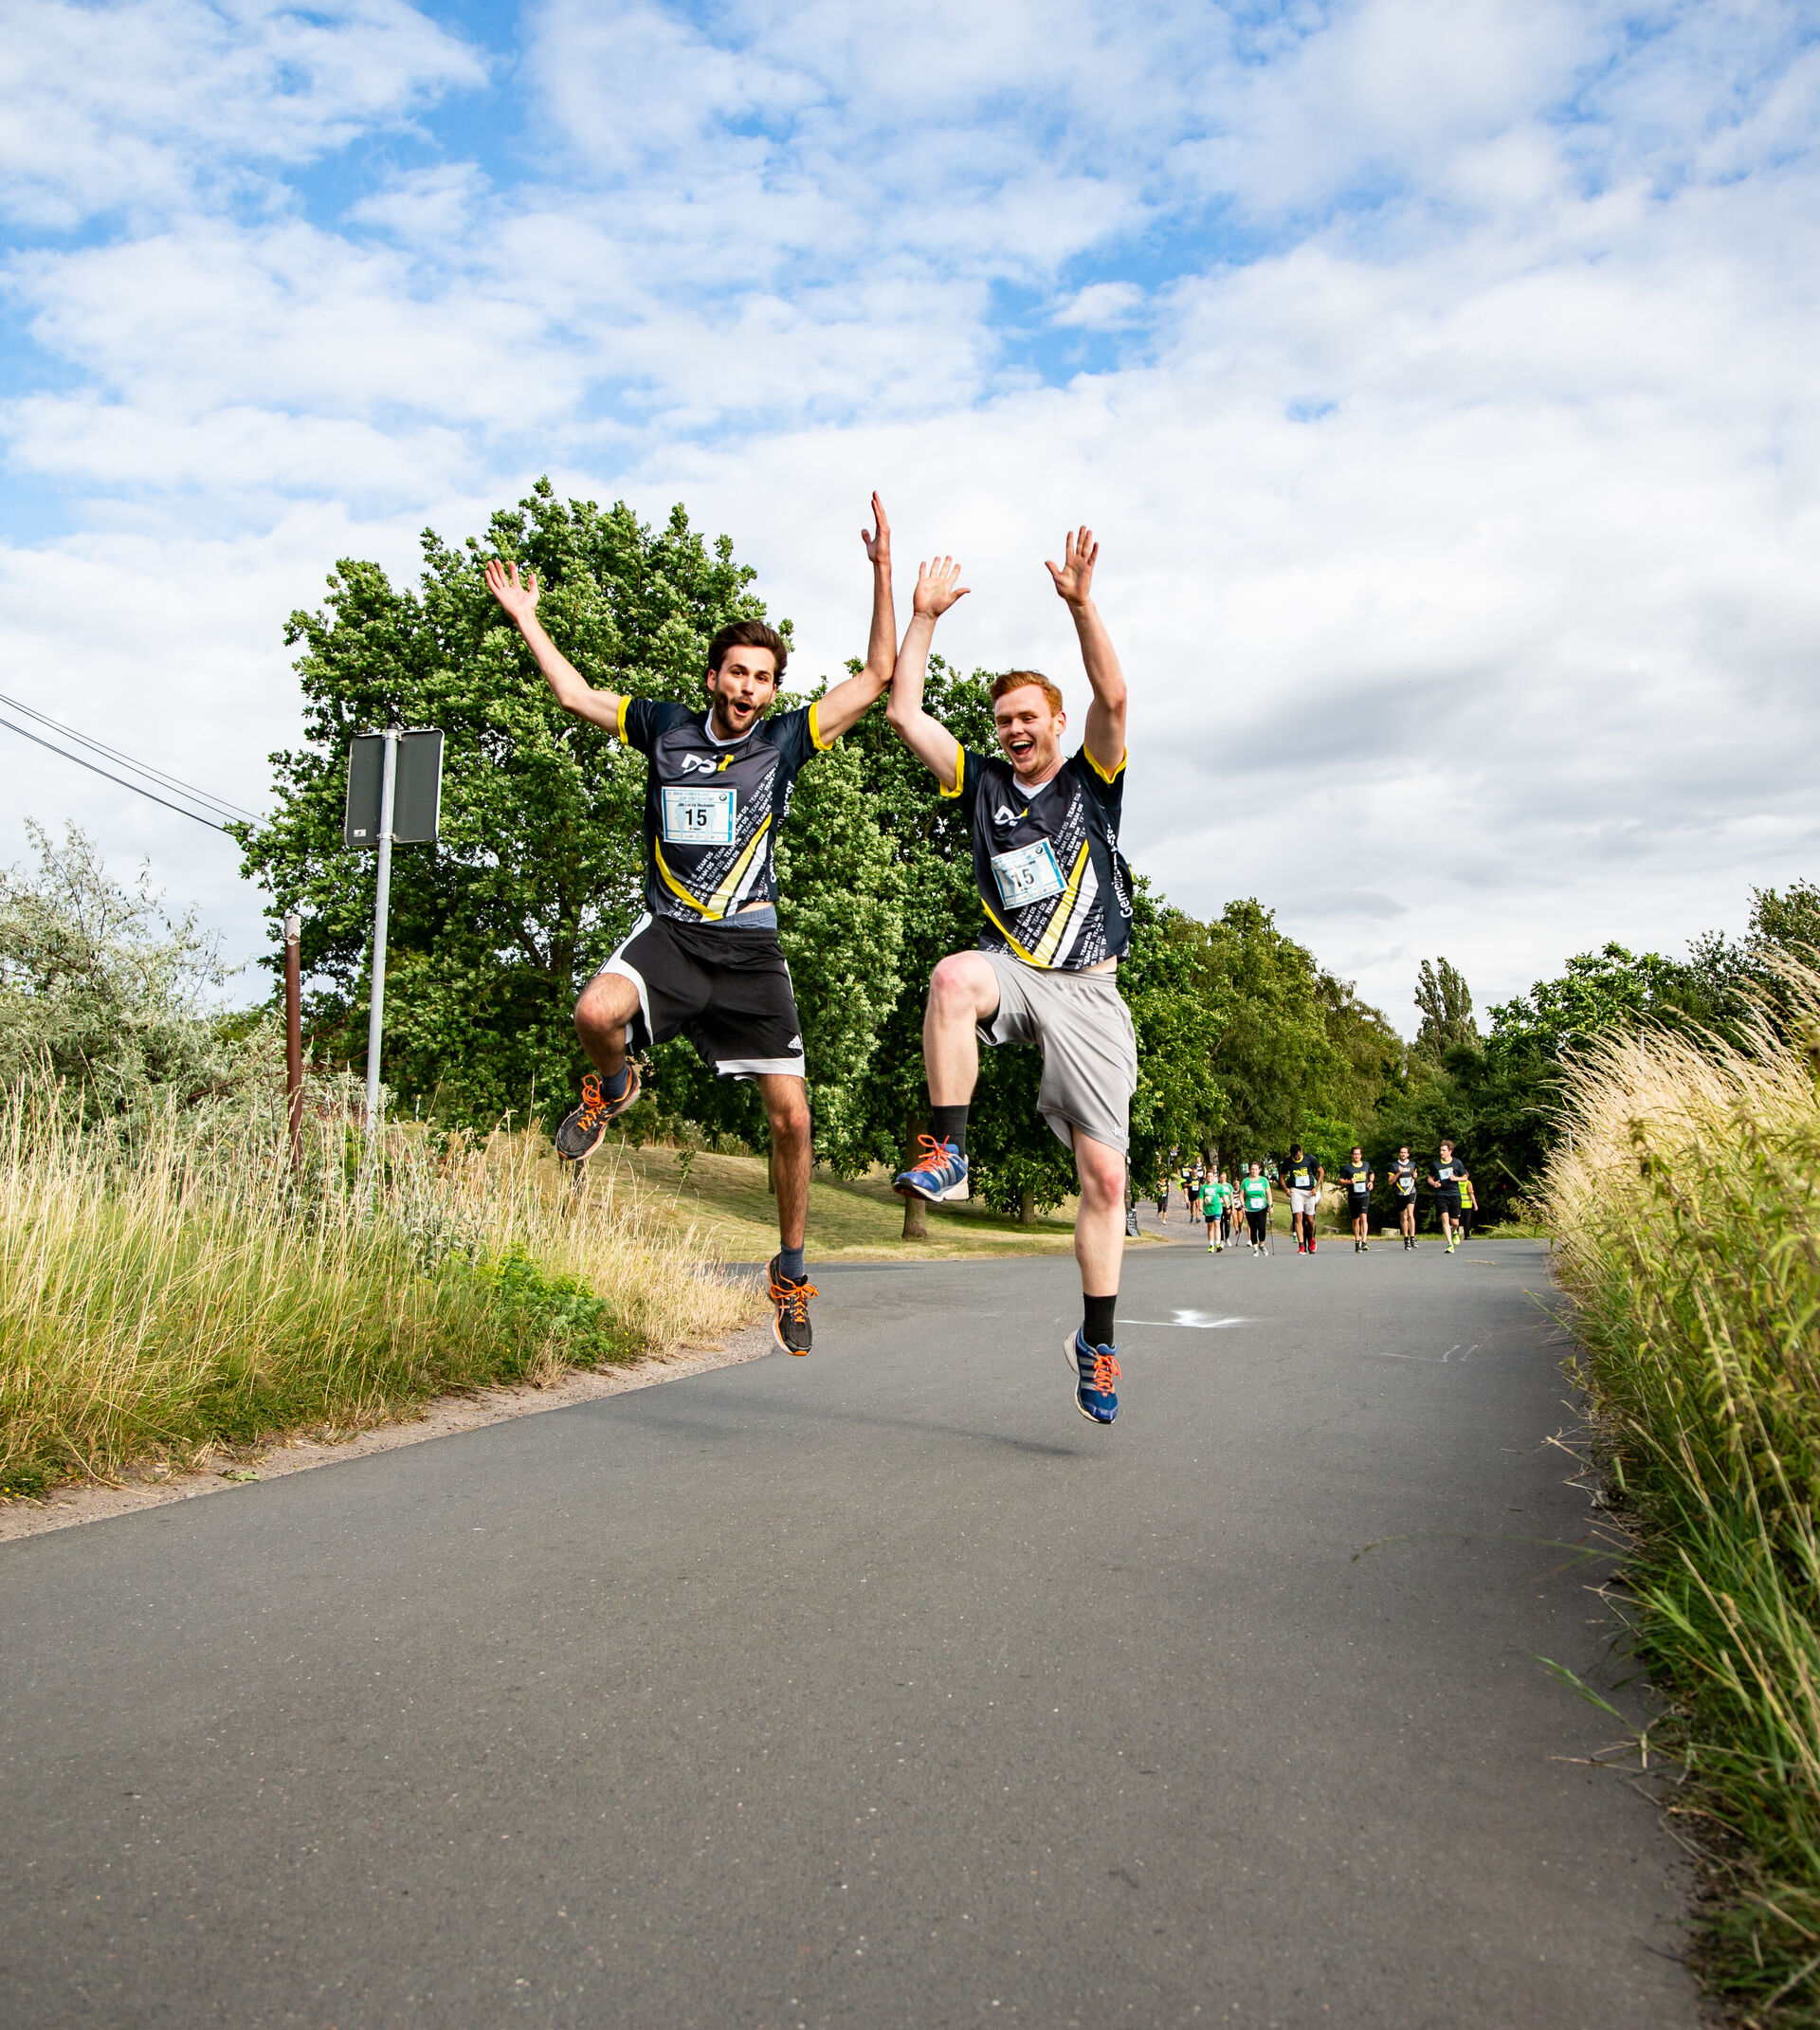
(1219, 1200)
(704, 960)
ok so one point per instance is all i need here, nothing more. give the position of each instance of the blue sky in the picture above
(1437, 375)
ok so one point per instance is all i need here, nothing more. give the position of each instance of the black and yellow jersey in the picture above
(712, 807)
(1056, 888)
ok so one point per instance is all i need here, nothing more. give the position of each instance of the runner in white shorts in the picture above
(1303, 1177)
(1057, 894)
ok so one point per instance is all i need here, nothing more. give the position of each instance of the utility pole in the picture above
(294, 1035)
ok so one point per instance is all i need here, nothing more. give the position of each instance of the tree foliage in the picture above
(100, 986)
(536, 877)
(1446, 1002)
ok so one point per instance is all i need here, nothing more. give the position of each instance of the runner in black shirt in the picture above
(1057, 899)
(705, 959)
(1303, 1176)
(1444, 1180)
(1403, 1184)
(1358, 1177)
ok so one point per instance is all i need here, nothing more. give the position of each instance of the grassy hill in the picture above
(726, 1200)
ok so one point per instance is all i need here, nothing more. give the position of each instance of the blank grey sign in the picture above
(417, 791)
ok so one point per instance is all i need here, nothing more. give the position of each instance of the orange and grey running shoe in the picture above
(580, 1135)
(791, 1327)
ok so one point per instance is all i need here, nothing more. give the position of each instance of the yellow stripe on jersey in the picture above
(723, 895)
(625, 706)
(815, 729)
(1046, 950)
(1028, 958)
(675, 886)
(960, 778)
(1107, 775)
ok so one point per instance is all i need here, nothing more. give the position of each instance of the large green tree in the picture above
(1296, 1047)
(537, 873)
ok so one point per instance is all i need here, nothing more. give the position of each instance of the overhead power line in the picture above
(209, 802)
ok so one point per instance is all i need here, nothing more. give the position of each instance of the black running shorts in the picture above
(726, 989)
(1358, 1203)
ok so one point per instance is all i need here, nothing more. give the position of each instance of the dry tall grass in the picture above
(1686, 1201)
(170, 1282)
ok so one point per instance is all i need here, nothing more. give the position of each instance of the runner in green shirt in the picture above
(1255, 1188)
(1213, 1195)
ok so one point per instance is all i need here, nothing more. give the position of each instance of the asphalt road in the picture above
(877, 1688)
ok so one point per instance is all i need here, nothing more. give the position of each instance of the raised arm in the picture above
(520, 598)
(938, 587)
(851, 699)
(1105, 729)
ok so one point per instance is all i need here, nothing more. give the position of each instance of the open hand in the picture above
(1074, 576)
(878, 540)
(938, 587)
(519, 598)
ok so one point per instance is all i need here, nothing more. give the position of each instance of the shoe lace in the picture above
(796, 1295)
(593, 1103)
(1105, 1372)
(934, 1154)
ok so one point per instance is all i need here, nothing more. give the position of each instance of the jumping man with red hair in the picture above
(1057, 894)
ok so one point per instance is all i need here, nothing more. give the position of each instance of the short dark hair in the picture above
(748, 634)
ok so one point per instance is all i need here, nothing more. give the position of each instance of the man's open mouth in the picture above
(1018, 748)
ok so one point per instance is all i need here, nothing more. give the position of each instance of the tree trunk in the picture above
(916, 1210)
(1027, 1207)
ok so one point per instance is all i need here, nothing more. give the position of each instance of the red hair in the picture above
(1015, 680)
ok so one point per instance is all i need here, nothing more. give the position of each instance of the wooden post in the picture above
(294, 1035)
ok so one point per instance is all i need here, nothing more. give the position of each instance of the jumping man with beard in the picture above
(704, 960)
(1057, 893)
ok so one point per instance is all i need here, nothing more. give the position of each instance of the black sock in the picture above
(614, 1087)
(1097, 1327)
(949, 1123)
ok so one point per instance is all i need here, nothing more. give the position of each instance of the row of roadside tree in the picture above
(1247, 1042)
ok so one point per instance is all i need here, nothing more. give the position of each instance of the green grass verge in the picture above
(1688, 1209)
(169, 1284)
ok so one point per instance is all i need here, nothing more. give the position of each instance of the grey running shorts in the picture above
(1089, 1048)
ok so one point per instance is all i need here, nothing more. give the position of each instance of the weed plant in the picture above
(169, 1281)
(1685, 1198)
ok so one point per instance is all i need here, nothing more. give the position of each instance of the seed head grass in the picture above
(168, 1282)
(1685, 1198)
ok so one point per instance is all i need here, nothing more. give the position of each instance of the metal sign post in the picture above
(381, 909)
(394, 798)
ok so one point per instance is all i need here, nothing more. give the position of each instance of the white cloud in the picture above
(126, 106)
(1458, 511)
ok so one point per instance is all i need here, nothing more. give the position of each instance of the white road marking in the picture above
(1194, 1321)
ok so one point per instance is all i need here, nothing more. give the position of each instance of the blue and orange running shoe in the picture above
(939, 1173)
(1096, 1378)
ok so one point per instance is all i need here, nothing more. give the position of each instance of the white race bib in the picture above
(698, 817)
(1029, 874)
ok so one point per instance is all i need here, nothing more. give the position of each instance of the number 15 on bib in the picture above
(1031, 874)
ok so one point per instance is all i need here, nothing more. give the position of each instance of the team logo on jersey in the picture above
(704, 763)
(1006, 815)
